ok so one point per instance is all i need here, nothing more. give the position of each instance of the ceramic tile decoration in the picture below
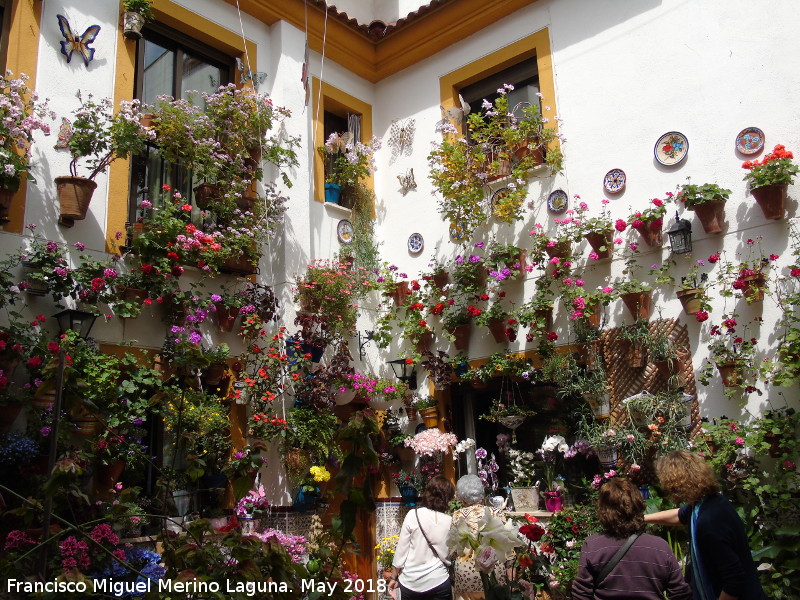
(557, 202)
(456, 232)
(344, 230)
(671, 148)
(614, 181)
(415, 243)
(497, 196)
(750, 140)
(73, 42)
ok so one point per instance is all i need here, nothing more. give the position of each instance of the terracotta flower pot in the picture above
(639, 303)
(731, 374)
(400, 293)
(601, 240)
(561, 250)
(711, 215)
(9, 414)
(226, 317)
(546, 315)
(423, 345)
(754, 288)
(206, 194)
(593, 320)
(771, 199)
(461, 333)
(214, 373)
(74, 195)
(691, 300)
(105, 476)
(238, 266)
(497, 327)
(6, 196)
(652, 237)
(637, 355)
(668, 367)
(776, 450)
(590, 354)
(440, 279)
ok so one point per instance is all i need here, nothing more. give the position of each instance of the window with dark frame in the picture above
(169, 62)
(5, 26)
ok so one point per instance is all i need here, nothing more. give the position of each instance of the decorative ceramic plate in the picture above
(614, 181)
(456, 232)
(671, 148)
(345, 231)
(415, 243)
(750, 140)
(557, 202)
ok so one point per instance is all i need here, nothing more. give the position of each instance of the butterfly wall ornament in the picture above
(77, 43)
(401, 138)
(257, 77)
(407, 182)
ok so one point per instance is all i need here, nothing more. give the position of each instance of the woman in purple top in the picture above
(649, 569)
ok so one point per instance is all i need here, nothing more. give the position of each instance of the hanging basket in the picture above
(639, 303)
(461, 333)
(711, 215)
(731, 373)
(771, 199)
(691, 299)
(754, 287)
(74, 195)
(497, 327)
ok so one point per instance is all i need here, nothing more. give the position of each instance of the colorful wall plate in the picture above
(615, 181)
(497, 197)
(415, 243)
(671, 148)
(456, 232)
(750, 140)
(344, 231)
(557, 202)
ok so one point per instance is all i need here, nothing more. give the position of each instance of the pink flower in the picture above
(739, 441)
(593, 256)
(617, 241)
(633, 246)
(607, 290)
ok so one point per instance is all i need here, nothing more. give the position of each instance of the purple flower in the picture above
(480, 453)
(137, 421)
(44, 431)
(80, 246)
(216, 298)
(195, 338)
(146, 204)
(60, 271)
(110, 273)
(480, 244)
(474, 259)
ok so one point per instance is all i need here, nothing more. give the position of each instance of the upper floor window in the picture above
(170, 63)
(5, 26)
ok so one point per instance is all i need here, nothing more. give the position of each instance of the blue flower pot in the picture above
(305, 501)
(645, 489)
(332, 193)
(409, 496)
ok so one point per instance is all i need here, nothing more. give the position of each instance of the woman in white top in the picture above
(420, 564)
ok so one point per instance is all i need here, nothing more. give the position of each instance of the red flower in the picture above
(701, 316)
(795, 272)
(620, 225)
(148, 301)
(525, 561)
(658, 202)
(166, 188)
(501, 294)
(409, 361)
(53, 347)
(437, 310)
(172, 255)
(484, 296)
(714, 258)
(423, 323)
(34, 362)
(533, 532)
(637, 224)
(186, 207)
(774, 257)
(415, 285)
(98, 283)
(552, 336)
(177, 270)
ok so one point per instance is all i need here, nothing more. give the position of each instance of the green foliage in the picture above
(143, 7)
(692, 195)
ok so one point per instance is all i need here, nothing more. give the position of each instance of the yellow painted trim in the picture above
(375, 59)
(22, 55)
(334, 100)
(537, 44)
(181, 19)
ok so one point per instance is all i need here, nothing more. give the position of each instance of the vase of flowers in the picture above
(769, 180)
(524, 487)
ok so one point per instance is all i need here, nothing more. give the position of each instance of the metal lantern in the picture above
(680, 236)
(77, 320)
(410, 379)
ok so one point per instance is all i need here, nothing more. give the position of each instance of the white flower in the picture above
(499, 535)
(486, 559)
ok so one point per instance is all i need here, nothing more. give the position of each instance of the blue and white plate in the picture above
(557, 202)
(415, 243)
(614, 181)
(750, 141)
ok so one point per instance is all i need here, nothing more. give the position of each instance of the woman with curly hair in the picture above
(420, 566)
(722, 567)
(647, 570)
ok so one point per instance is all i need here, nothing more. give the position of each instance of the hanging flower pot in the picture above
(132, 23)
(430, 417)
(440, 279)
(497, 327)
(754, 287)
(461, 333)
(601, 242)
(86, 425)
(590, 354)
(651, 232)
(637, 355)
(400, 293)
(206, 195)
(607, 456)
(44, 398)
(412, 414)
(6, 196)
(9, 414)
(226, 317)
(424, 342)
(668, 367)
(214, 373)
(691, 299)
(105, 476)
(238, 265)
(772, 199)
(74, 195)
(731, 373)
(776, 450)
(561, 250)
(639, 303)
(711, 215)
(545, 315)
(332, 193)
(599, 403)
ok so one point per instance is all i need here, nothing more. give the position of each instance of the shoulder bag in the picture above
(449, 565)
(611, 564)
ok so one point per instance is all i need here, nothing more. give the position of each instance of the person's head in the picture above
(685, 477)
(620, 508)
(438, 493)
(469, 489)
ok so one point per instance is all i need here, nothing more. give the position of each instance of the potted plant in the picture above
(457, 316)
(309, 439)
(663, 354)
(347, 162)
(731, 353)
(384, 555)
(749, 275)
(137, 13)
(649, 221)
(708, 203)
(598, 231)
(497, 318)
(438, 274)
(504, 261)
(637, 296)
(416, 330)
(45, 268)
(769, 179)
(100, 137)
(439, 369)
(22, 113)
(510, 415)
(524, 485)
(692, 291)
(409, 485)
(638, 337)
(428, 409)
